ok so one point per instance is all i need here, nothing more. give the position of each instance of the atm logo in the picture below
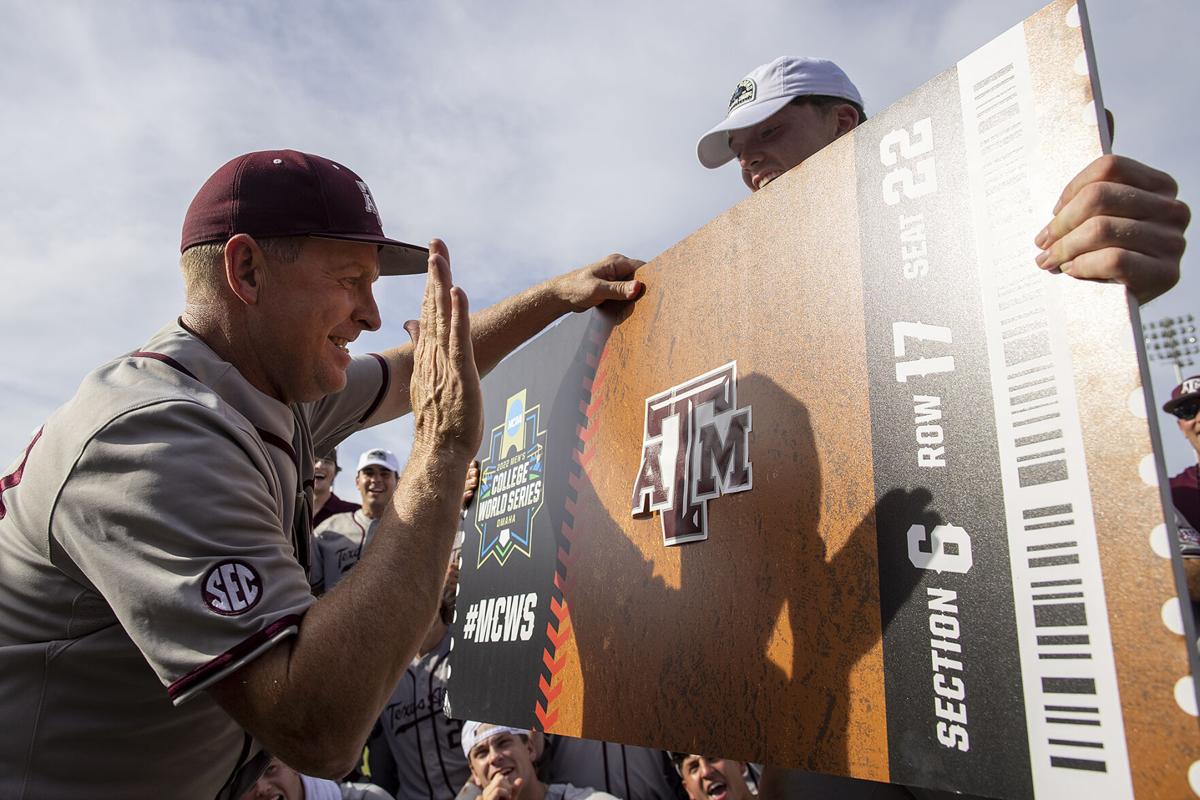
(695, 448)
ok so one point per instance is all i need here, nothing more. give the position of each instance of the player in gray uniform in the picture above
(281, 782)
(157, 632)
(501, 761)
(628, 771)
(342, 538)
(425, 744)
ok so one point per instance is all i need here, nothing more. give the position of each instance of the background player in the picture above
(1117, 220)
(501, 760)
(342, 538)
(325, 502)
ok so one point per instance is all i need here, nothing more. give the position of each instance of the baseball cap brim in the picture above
(713, 148)
(395, 257)
(1174, 403)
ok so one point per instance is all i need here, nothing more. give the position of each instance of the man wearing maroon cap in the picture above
(155, 643)
(1184, 405)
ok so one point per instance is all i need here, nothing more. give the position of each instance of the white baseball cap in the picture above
(475, 732)
(766, 90)
(384, 458)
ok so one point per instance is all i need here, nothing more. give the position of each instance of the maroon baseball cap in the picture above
(1188, 390)
(288, 193)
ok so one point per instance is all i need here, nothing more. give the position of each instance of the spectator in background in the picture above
(716, 778)
(425, 745)
(415, 750)
(342, 538)
(325, 502)
(340, 542)
(501, 761)
(1184, 405)
(281, 782)
(1117, 220)
(708, 778)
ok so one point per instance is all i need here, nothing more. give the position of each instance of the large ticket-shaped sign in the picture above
(855, 487)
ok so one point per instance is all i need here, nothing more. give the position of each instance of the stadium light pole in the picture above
(1173, 340)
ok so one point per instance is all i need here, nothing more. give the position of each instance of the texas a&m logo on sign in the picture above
(696, 447)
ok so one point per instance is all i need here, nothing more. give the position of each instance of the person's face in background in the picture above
(706, 778)
(279, 782)
(375, 484)
(324, 471)
(786, 138)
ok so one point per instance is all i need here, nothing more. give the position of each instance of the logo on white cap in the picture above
(745, 92)
(231, 588)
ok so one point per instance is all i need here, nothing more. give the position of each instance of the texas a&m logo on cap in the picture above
(744, 93)
(370, 201)
(1189, 386)
(231, 588)
(696, 447)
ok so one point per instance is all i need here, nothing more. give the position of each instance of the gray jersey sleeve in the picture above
(169, 513)
(336, 416)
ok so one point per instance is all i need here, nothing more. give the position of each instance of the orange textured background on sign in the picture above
(768, 633)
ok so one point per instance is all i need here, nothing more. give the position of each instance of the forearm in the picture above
(501, 328)
(312, 700)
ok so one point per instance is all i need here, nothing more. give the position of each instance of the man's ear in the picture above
(846, 116)
(245, 267)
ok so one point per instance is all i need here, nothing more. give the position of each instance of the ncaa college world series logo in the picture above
(510, 486)
(696, 447)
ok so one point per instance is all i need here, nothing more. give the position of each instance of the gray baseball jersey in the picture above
(151, 541)
(634, 773)
(341, 540)
(566, 791)
(426, 744)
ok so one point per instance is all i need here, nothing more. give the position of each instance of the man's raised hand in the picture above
(446, 400)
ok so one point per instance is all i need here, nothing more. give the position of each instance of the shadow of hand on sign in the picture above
(762, 642)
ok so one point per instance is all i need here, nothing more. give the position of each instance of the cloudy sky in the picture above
(532, 137)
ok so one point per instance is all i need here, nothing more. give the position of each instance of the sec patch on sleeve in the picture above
(231, 588)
